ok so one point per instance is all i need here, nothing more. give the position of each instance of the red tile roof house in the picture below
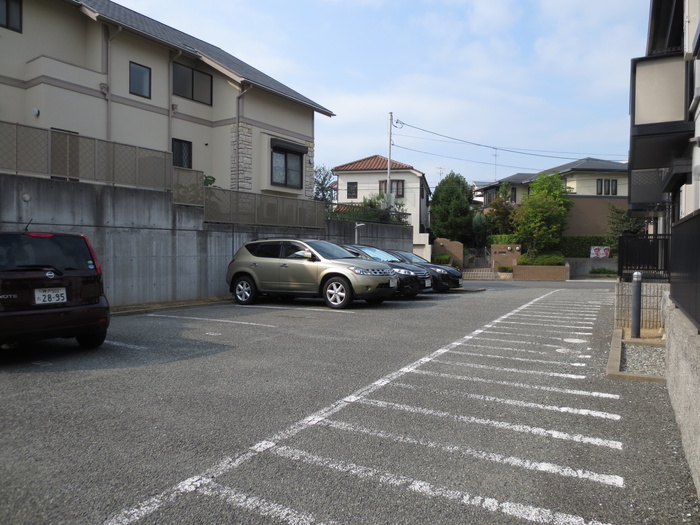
(368, 177)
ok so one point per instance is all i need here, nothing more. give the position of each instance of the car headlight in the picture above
(439, 270)
(360, 271)
(403, 271)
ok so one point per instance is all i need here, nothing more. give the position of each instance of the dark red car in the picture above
(51, 286)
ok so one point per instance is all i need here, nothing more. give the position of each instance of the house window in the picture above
(613, 187)
(513, 195)
(139, 80)
(599, 187)
(182, 153)
(11, 14)
(287, 163)
(352, 190)
(396, 187)
(192, 84)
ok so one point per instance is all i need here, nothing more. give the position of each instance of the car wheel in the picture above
(337, 292)
(244, 290)
(90, 340)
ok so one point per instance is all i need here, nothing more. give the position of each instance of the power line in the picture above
(498, 148)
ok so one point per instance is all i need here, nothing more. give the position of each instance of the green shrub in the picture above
(502, 239)
(580, 245)
(441, 258)
(603, 271)
(505, 269)
(546, 259)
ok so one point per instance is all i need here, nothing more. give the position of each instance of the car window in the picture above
(293, 250)
(54, 251)
(270, 250)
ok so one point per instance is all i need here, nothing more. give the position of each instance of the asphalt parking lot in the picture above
(483, 407)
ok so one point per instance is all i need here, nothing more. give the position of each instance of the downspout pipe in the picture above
(107, 89)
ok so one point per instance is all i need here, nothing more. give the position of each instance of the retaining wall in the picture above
(152, 251)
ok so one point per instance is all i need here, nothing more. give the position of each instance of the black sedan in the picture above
(412, 279)
(444, 277)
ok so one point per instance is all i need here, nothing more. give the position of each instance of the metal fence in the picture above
(648, 254)
(685, 266)
(27, 150)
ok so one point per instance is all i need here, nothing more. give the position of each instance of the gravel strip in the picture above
(641, 359)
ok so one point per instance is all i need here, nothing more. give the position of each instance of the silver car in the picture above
(311, 268)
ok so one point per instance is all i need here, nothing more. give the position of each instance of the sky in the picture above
(482, 88)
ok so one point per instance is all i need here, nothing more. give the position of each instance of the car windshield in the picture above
(412, 257)
(328, 250)
(44, 251)
(380, 255)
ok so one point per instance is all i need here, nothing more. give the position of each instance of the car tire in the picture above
(337, 293)
(244, 290)
(91, 340)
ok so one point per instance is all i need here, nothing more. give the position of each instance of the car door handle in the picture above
(284, 265)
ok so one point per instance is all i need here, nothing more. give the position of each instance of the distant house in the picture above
(93, 68)
(368, 177)
(594, 184)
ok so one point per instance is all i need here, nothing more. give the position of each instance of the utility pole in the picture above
(389, 196)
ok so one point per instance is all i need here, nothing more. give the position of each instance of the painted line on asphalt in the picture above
(426, 489)
(511, 461)
(300, 307)
(510, 370)
(513, 358)
(518, 341)
(501, 425)
(126, 345)
(210, 320)
(513, 402)
(573, 392)
(509, 348)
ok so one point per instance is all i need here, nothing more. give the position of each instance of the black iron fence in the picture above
(685, 266)
(648, 254)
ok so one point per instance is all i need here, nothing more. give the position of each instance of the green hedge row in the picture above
(571, 246)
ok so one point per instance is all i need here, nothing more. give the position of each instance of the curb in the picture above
(615, 359)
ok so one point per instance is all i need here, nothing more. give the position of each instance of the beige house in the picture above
(367, 177)
(594, 184)
(93, 68)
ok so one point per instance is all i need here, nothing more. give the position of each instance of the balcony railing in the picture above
(27, 150)
(685, 270)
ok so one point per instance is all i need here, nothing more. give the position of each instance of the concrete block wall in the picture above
(683, 381)
(151, 250)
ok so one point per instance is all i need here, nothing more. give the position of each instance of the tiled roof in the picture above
(374, 163)
(585, 165)
(122, 16)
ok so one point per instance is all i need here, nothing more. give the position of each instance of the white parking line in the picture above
(516, 402)
(517, 510)
(503, 425)
(209, 320)
(519, 385)
(511, 370)
(512, 358)
(550, 468)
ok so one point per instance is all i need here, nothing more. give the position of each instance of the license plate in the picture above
(50, 295)
(393, 282)
(427, 283)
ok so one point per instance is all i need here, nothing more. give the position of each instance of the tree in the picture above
(501, 212)
(323, 185)
(451, 209)
(542, 219)
(620, 223)
(481, 229)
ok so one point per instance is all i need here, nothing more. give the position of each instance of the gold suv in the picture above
(310, 268)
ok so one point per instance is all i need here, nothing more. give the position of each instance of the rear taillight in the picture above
(40, 235)
(98, 264)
